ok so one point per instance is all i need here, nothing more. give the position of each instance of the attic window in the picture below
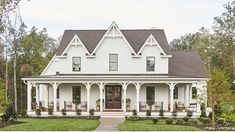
(161, 54)
(65, 54)
(132, 54)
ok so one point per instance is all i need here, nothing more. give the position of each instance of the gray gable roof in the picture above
(187, 64)
(136, 38)
(182, 63)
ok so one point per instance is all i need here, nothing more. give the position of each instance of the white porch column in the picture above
(88, 87)
(37, 95)
(171, 86)
(101, 86)
(29, 96)
(124, 86)
(187, 95)
(137, 96)
(55, 86)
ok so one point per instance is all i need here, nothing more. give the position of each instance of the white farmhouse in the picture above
(115, 71)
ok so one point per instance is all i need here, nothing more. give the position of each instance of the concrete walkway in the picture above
(109, 123)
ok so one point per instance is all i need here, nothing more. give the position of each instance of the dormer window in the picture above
(150, 63)
(113, 62)
(76, 62)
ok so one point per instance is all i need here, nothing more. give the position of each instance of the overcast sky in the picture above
(176, 17)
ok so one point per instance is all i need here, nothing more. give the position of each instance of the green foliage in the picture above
(10, 112)
(186, 119)
(221, 121)
(179, 121)
(134, 112)
(205, 120)
(189, 113)
(64, 112)
(2, 94)
(128, 100)
(185, 42)
(155, 120)
(203, 114)
(203, 106)
(77, 101)
(150, 102)
(210, 115)
(38, 112)
(169, 121)
(92, 112)
(78, 111)
(230, 117)
(148, 112)
(218, 109)
(193, 121)
(50, 111)
(161, 112)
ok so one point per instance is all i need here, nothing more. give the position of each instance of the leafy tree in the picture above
(218, 89)
(2, 99)
(185, 42)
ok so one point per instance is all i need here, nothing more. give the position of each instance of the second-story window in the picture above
(150, 63)
(76, 63)
(113, 62)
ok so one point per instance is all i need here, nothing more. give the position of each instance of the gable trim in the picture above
(45, 69)
(113, 26)
(152, 42)
(76, 41)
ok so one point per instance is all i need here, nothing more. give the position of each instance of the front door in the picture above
(113, 96)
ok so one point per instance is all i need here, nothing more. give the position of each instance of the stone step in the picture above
(113, 114)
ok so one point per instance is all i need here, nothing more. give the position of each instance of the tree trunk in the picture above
(15, 87)
(213, 112)
(6, 77)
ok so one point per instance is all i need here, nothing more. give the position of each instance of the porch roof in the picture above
(111, 77)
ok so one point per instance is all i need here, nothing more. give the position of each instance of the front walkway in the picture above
(109, 123)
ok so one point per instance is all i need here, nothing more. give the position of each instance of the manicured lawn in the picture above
(34, 124)
(147, 125)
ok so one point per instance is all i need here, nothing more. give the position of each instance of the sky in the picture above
(176, 17)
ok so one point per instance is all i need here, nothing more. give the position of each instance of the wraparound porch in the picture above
(164, 95)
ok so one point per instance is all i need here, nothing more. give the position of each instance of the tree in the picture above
(2, 99)
(224, 27)
(218, 89)
(185, 42)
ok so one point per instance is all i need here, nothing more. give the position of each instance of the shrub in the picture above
(64, 112)
(5, 117)
(155, 120)
(186, 119)
(189, 113)
(203, 114)
(50, 111)
(92, 112)
(78, 111)
(174, 113)
(203, 106)
(161, 112)
(205, 120)
(221, 121)
(23, 112)
(179, 121)
(148, 112)
(133, 118)
(169, 120)
(193, 121)
(38, 112)
(134, 112)
(230, 117)
(218, 110)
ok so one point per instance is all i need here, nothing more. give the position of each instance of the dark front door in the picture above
(113, 96)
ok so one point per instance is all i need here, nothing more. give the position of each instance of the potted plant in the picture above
(150, 102)
(77, 101)
(128, 101)
(98, 104)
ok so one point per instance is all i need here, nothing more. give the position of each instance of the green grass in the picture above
(34, 124)
(147, 125)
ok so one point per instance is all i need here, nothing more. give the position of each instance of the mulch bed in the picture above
(8, 123)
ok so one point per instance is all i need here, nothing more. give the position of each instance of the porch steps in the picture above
(113, 114)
